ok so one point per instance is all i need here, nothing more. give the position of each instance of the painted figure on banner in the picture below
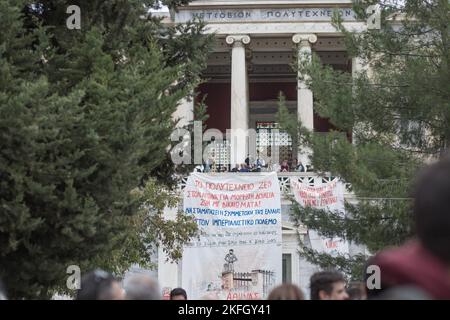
(230, 258)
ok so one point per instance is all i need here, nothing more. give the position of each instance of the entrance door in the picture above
(265, 138)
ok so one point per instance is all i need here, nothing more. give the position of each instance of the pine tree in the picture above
(398, 111)
(85, 117)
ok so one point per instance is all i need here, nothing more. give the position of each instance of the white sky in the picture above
(391, 2)
(163, 9)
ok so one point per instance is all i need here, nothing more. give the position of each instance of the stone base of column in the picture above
(238, 139)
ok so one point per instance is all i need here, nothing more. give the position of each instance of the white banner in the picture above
(238, 255)
(323, 195)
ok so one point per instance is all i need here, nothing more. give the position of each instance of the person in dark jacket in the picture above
(424, 262)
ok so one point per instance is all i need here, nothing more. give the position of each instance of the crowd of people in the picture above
(101, 285)
(254, 165)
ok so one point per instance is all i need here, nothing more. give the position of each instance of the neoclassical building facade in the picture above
(252, 62)
(257, 44)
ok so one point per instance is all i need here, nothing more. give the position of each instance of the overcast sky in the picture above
(163, 9)
(391, 2)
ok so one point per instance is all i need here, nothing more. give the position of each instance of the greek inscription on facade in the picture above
(313, 14)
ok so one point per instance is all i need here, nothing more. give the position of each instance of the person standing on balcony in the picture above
(209, 164)
(259, 164)
(300, 167)
(275, 167)
(247, 160)
(284, 166)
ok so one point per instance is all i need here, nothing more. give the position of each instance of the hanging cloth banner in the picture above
(239, 252)
(322, 195)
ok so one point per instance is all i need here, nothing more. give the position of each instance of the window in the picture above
(287, 268)
(265, 138)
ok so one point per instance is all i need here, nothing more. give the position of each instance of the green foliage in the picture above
(290, 123)
(353, 266)
(154, 229)
(85, 117)
(398, 110)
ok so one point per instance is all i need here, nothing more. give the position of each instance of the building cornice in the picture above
(281, 28)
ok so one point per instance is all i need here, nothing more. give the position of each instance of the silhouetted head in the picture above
(100, 285)
(178, 294)
(142, 287)
(432, 208)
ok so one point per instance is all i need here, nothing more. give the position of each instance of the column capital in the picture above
(304, 39)
(238, 39)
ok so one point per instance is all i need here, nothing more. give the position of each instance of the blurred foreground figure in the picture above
(421, 268)
(142, 287)
(2, 291)
(328, 285)
(286, 292)
(100, 285)
(357, 291)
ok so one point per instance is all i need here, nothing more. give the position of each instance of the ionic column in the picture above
(239, 99)
(305, 111)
